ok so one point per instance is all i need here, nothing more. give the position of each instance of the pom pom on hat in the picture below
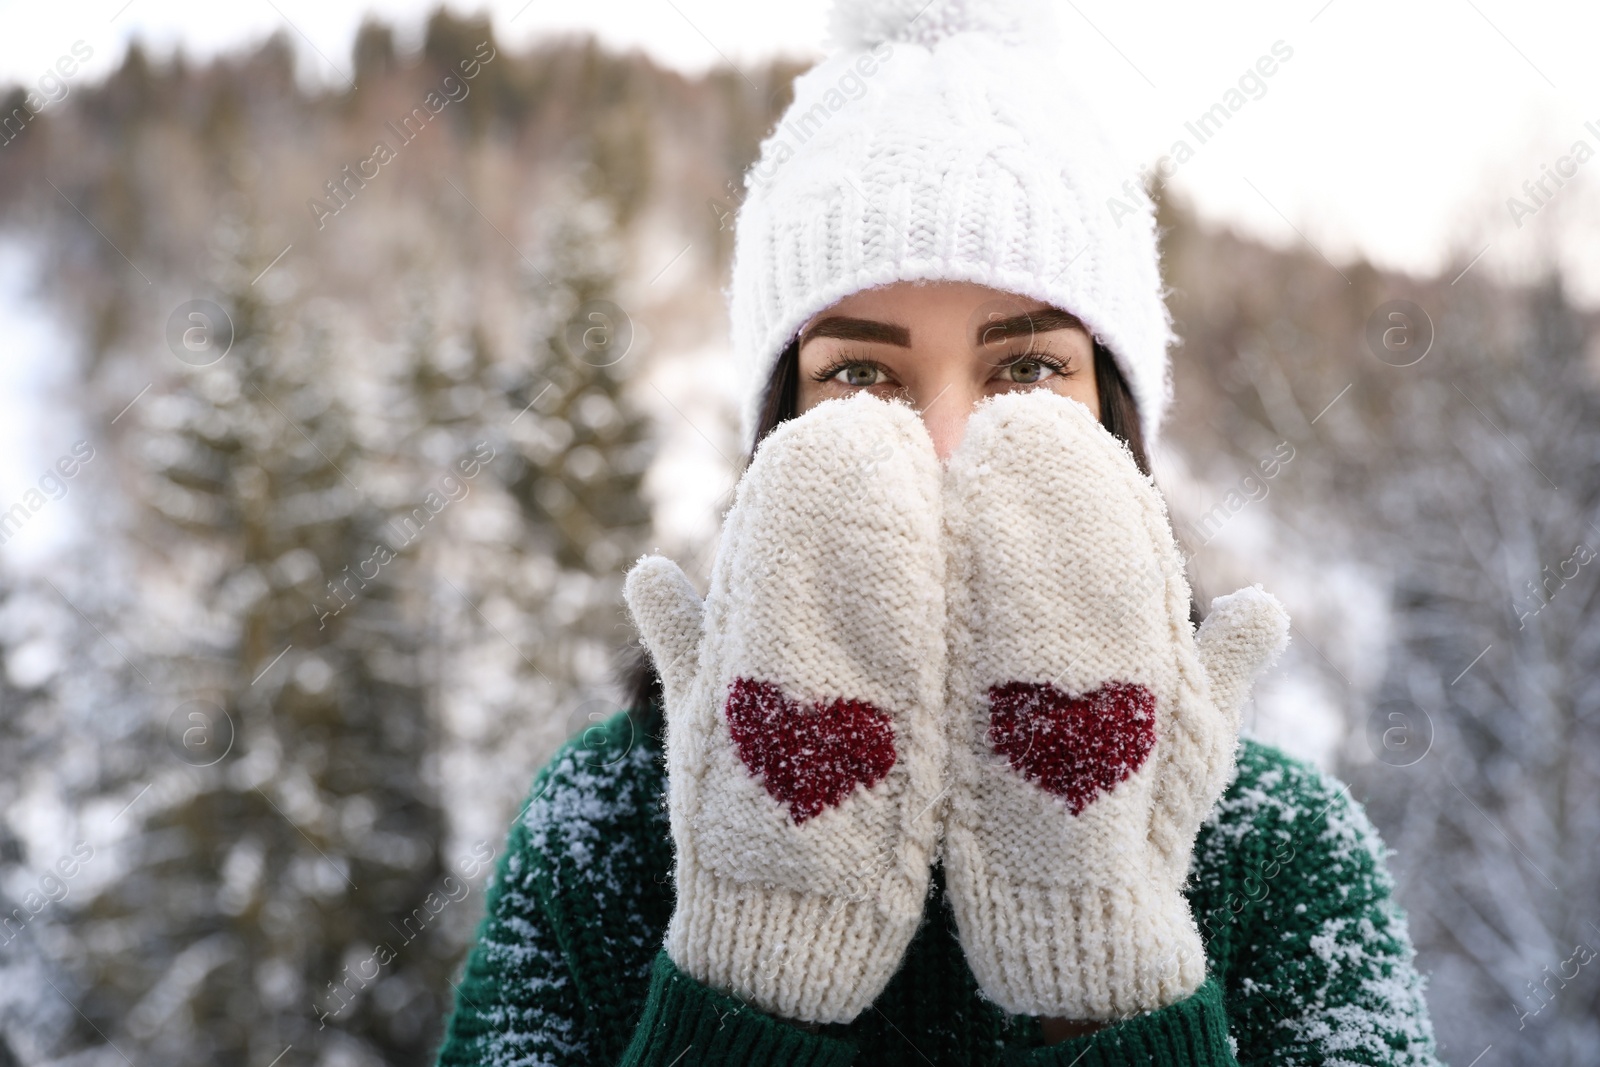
(861, 24)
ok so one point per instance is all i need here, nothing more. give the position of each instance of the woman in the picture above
(941, 771)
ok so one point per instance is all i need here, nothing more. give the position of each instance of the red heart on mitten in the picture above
(1074, 747)
(809, 759)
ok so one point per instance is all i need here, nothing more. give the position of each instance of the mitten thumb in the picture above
(668, 613)
(1243, 636)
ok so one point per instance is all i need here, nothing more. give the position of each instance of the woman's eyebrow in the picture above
(1042, 321)
(847, 329)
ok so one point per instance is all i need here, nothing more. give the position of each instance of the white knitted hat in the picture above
(939, 142)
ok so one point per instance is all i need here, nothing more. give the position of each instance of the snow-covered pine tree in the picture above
(266, 904)
(530, 593)
(1487, 500)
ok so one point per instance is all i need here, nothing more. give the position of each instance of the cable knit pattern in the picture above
(1064, 579)
(803, 742)
(940, 143)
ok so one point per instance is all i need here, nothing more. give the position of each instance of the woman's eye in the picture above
(860, 374)
(1029, 371)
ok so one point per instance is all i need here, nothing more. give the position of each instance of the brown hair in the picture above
(781, 401)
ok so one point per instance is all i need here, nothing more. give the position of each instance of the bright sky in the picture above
(1396, 129)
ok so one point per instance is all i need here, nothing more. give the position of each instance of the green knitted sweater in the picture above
(1309, 957)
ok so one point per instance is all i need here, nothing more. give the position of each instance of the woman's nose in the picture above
(945, 413)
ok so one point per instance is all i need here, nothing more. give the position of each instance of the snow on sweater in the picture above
(1309, 958)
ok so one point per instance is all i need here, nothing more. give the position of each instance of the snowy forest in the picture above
(365, 398)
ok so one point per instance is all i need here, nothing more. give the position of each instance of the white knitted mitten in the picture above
(803, 701)
(1091, 729)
